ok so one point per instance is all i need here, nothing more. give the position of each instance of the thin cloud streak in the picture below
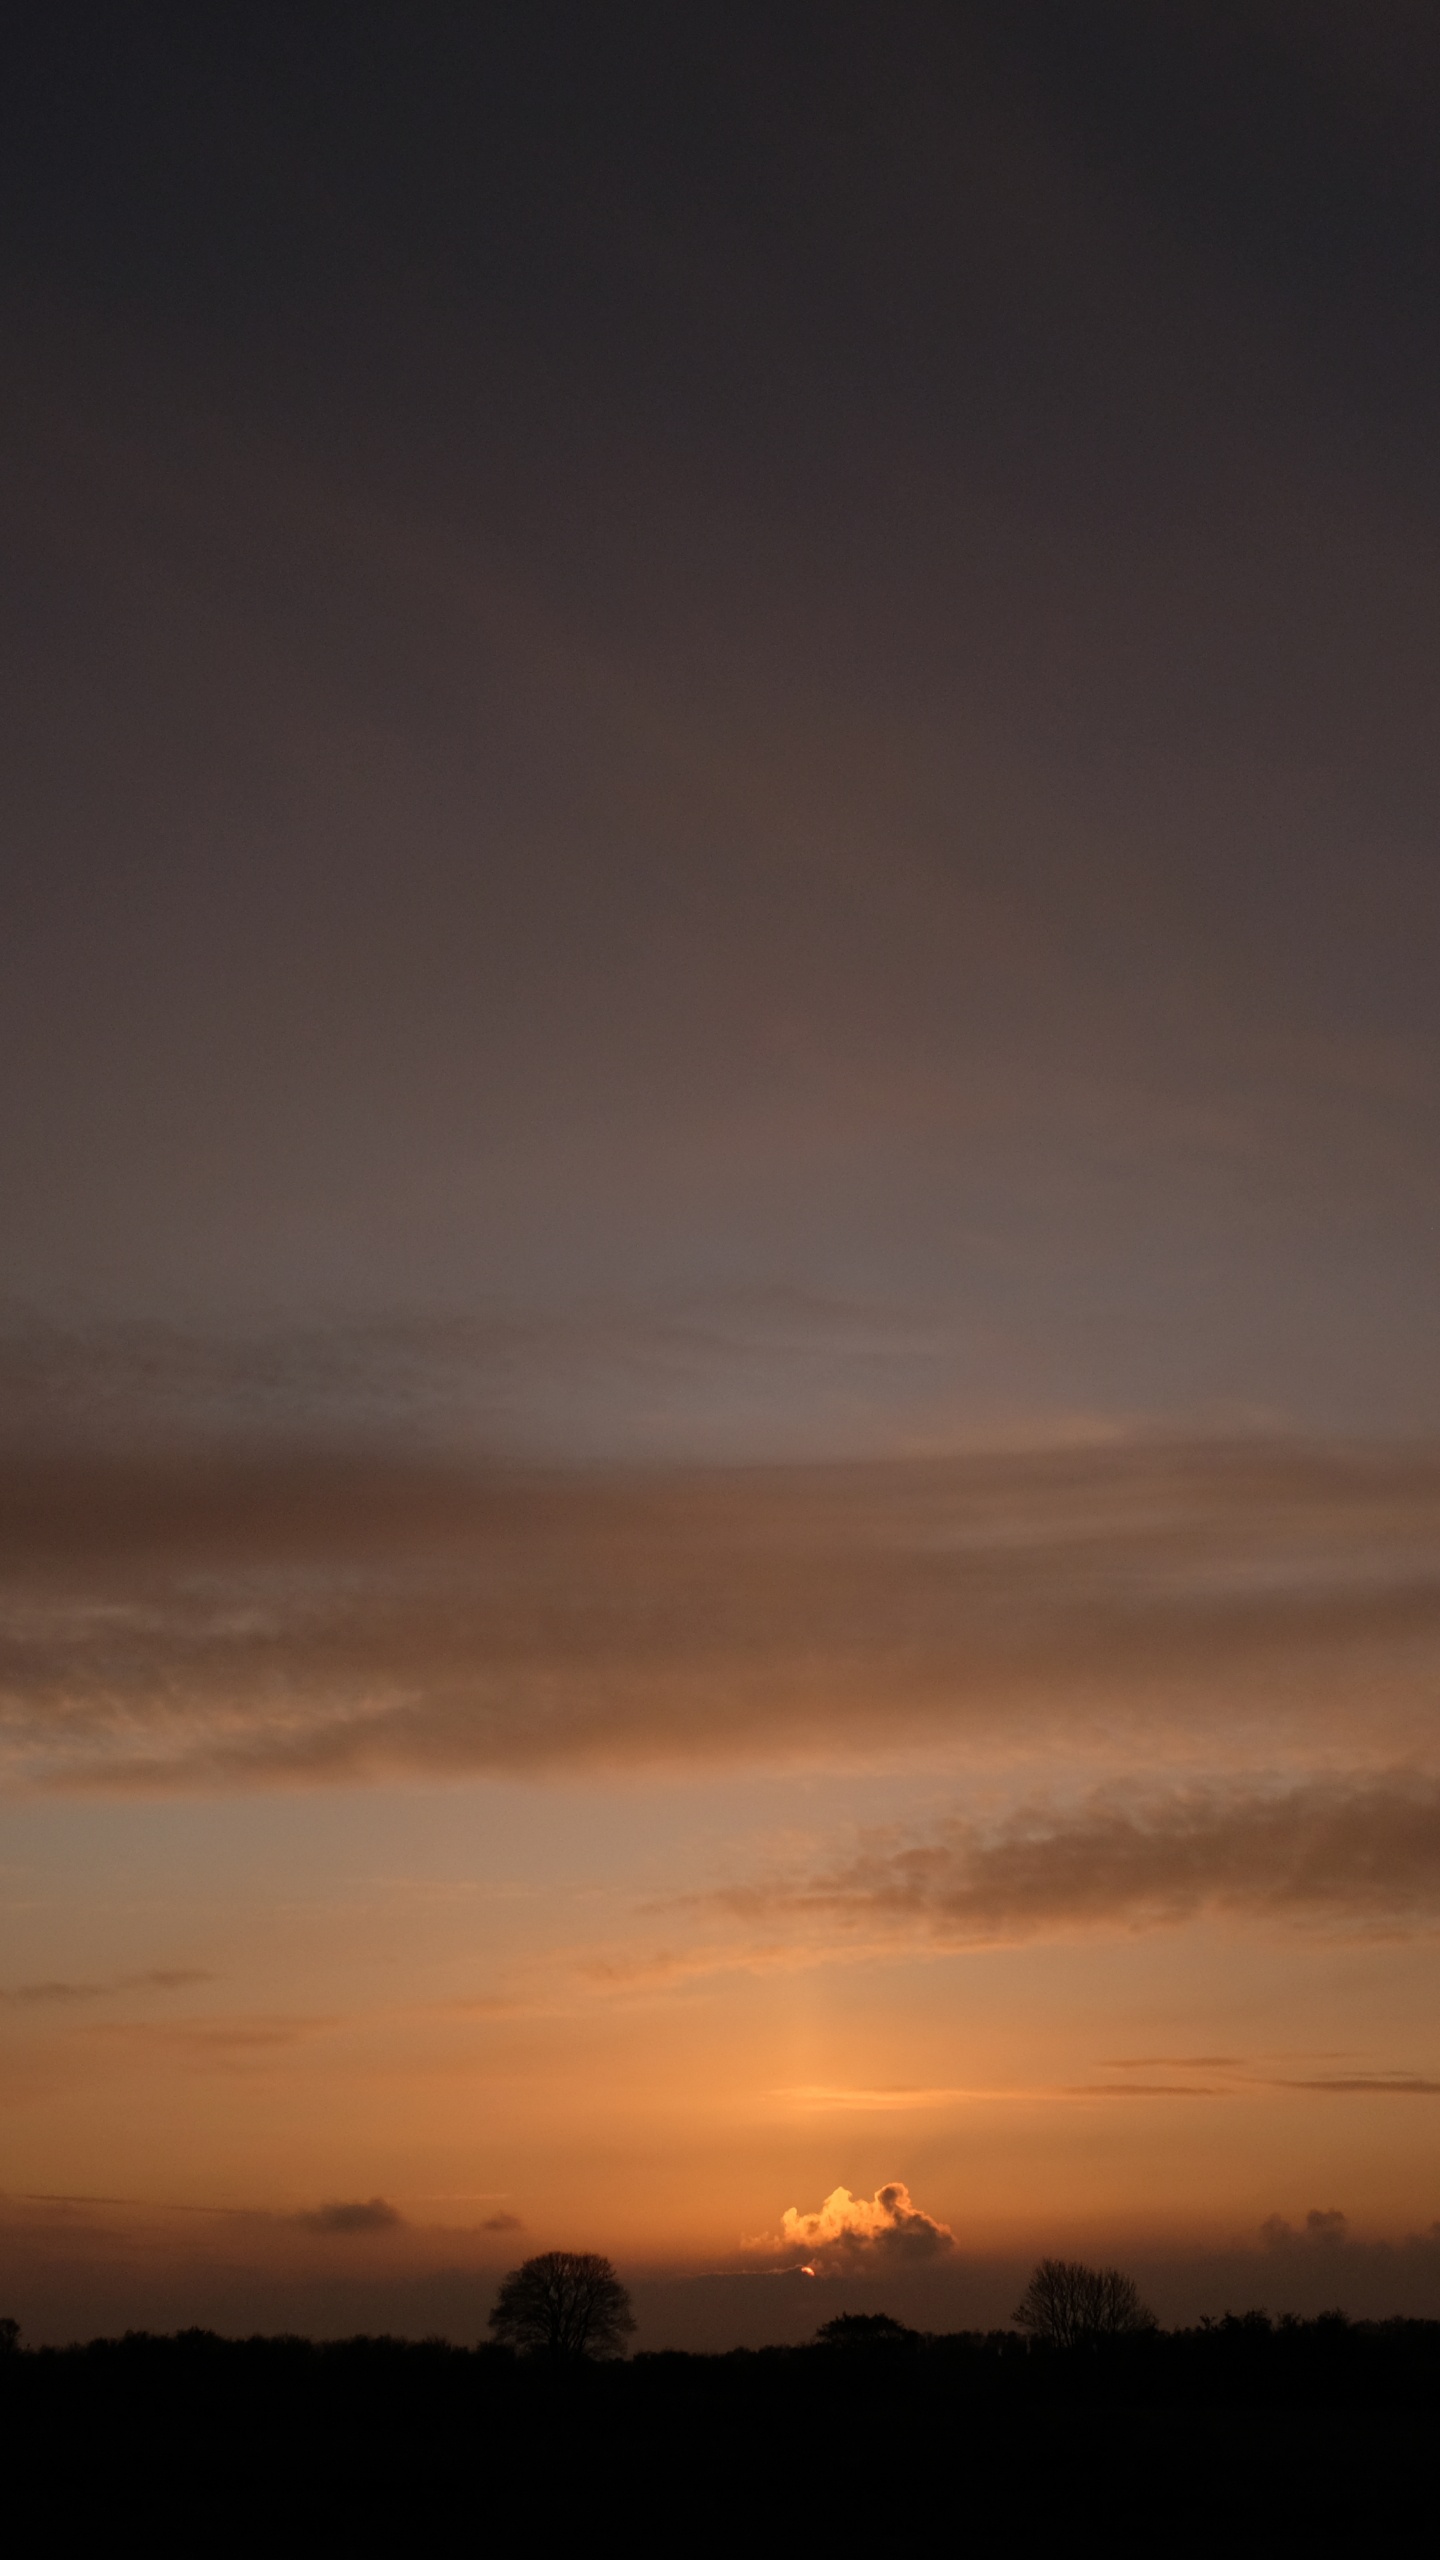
(206, 2043)
(1173, 2062)
(45, 1995)
(1389, 2085)
(823, 2101)
(1146, 2089)
(300, 1619)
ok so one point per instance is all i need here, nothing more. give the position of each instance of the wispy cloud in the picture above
(1359, 1851)
(271, 1619)
(218, 2043)
(640, 1970)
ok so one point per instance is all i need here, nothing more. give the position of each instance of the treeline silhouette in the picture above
(1244, 2433)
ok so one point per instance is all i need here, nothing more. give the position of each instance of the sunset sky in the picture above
(719, 1090)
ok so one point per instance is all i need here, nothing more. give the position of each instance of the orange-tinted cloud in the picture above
(220, 1624)
(848, 2234)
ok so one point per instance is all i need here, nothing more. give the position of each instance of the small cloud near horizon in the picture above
(345, 2220)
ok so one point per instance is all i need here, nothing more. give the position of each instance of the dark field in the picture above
(1239, 2438)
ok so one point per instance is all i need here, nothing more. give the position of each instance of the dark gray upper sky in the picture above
(773, 660)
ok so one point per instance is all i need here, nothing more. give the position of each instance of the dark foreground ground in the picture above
(1239, 2438)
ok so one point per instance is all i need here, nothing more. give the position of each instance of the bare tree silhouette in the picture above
(565, 2303)
(1069, 2303)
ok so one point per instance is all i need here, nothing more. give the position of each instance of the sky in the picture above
(719, 1089)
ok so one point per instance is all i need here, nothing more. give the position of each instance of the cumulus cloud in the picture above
(1349, 1850)
(848, 2234)
(264, 1618)
(344, 2221)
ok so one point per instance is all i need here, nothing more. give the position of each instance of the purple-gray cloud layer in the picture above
(642, 652)
(742, 1374)
(194, 1623)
